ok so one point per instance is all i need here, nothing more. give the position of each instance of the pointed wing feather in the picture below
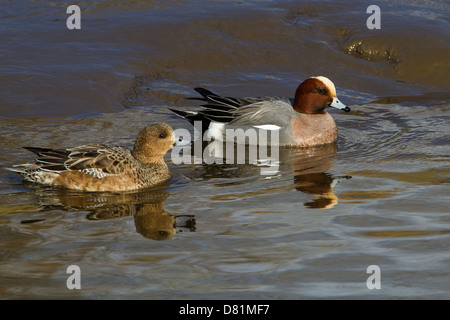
(50, 159)
(219, 108)
(97, 160)
(108, 160)
(232, 110)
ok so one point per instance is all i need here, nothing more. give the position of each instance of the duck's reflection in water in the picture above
(311, 168)
(147, 207)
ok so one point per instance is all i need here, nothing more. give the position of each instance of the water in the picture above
(379, 196)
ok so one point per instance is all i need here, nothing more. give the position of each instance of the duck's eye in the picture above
(321, 91)
(162, 135)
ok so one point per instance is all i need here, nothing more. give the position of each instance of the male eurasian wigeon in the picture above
(300, 122)
(99, 167)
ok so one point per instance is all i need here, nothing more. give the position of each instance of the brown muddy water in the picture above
(379, 196)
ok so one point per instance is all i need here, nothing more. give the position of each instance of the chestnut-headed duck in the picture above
(300, 122)
(99, 167)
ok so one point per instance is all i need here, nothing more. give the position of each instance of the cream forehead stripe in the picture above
(328, 83)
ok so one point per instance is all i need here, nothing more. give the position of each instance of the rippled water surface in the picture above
(379, 196)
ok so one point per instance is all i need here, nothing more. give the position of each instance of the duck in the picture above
(299, 122)
(98, 167)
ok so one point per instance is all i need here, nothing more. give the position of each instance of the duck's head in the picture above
(154, 141)
(315, 94)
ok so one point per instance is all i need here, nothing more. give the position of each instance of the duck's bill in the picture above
(339, 105)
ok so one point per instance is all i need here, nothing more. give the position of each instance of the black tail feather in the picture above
(217, 108)
(50, 159)
(205, 93)
(192, 117)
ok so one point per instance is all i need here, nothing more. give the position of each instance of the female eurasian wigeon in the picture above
(301, 122)
(104, 168)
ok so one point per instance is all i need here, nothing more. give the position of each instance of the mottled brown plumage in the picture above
(99, 167)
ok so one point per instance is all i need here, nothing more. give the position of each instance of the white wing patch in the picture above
(271, 127)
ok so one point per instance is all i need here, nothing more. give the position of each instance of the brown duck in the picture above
(104, 168)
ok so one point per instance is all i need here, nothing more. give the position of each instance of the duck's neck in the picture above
(145, 158)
